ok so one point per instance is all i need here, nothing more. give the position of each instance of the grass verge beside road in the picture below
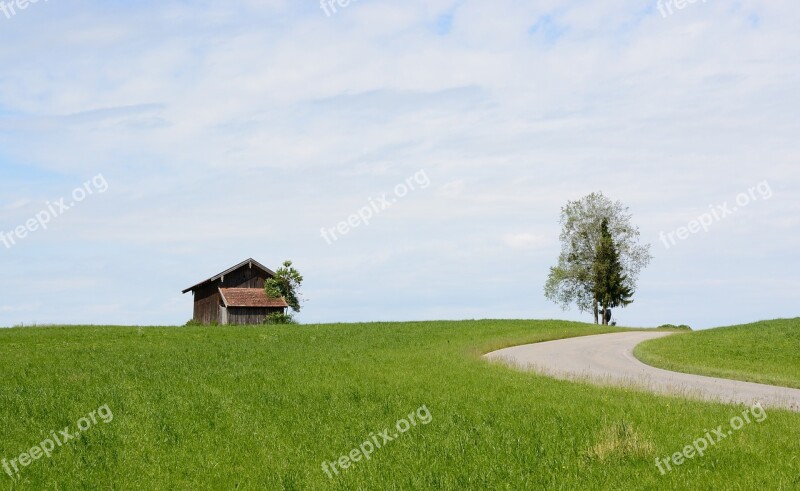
(766, 352)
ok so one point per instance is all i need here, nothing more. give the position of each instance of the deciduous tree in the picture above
(286, 284)
(573, 280)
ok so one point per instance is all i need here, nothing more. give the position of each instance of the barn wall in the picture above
(244, 277)
(249, 315)
(206, 304)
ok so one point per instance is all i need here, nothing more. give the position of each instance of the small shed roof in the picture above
(247, 262)
(249, 297)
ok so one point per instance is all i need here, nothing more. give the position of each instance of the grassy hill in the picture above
(263, 407)
(767, 352)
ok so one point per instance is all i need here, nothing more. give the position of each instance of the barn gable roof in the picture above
(247, 262)
(249, 297)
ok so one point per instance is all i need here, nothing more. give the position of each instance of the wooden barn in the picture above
(235, 296)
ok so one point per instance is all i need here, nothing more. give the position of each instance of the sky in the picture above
(146, 146)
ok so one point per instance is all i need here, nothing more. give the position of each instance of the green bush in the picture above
(672, 327)
(280, 318)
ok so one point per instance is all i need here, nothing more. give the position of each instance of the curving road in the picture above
(608, 359)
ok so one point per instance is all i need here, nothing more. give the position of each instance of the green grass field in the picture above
(765, 352)
(263, 407)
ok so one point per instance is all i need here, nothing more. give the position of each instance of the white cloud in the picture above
(239, 130)
(20, 203)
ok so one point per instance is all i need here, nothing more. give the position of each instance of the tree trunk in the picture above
(595, 310)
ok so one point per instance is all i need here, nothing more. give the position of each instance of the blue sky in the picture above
(228, 130)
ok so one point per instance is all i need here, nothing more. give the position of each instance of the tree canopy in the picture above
(286, 283)
(597, 239)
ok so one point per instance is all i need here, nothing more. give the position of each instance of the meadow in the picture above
(764, 352)
(263, 407)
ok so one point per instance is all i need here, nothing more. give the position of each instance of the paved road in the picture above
(608, 359)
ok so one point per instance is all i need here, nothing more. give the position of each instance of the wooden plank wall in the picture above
(244, 277)
(206, 304)
(249, 316)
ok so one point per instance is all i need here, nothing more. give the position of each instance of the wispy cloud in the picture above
(230, 131)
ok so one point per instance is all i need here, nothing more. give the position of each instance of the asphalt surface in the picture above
(608, 359)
